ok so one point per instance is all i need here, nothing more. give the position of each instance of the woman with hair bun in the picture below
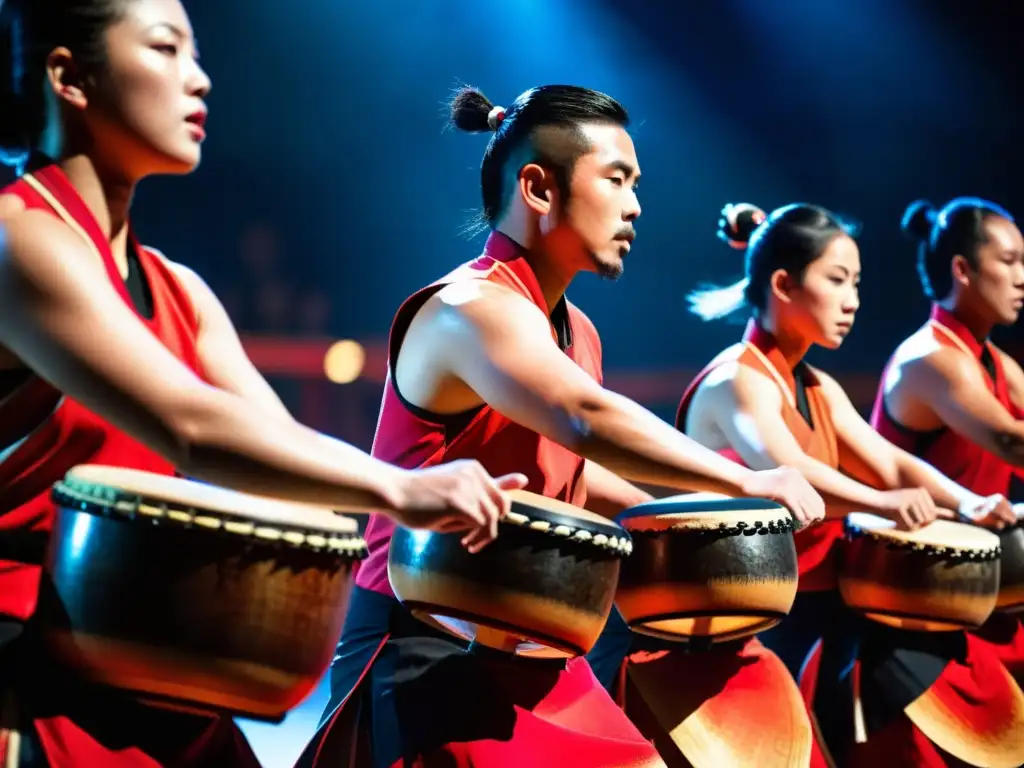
(763, 405)
(948, 394)
(112, 354)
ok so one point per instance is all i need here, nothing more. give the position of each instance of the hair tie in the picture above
(495, 118)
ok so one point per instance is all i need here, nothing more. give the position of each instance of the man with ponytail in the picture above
(761, 404)
(492, 362)
(112, 354)
(948, 394)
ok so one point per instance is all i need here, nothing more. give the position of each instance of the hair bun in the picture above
(471, 111)
(738, 222)
(919, 219)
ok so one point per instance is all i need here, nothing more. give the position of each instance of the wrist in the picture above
(969, 504)
(742, 482)
(391, 488)
(878, 501)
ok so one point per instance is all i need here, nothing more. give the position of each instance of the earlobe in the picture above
(64, 79)
(536, 188)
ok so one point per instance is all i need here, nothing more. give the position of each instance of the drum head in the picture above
(543, 514)
(159, 496)
(939, 533)
(707, 566)
(942, 577)
(700, 511)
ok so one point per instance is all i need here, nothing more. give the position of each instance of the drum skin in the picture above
(707, 567)
(917, 581)
(189, 618)
(531, 584)
(1011, 569)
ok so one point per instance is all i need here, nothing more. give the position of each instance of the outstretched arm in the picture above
(899, 469)
(608, 494)
(952, 386)
(500, 345)
(225, 363)
(748, 406)
(60, 315)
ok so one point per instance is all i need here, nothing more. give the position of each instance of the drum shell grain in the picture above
(1011, 569)
(916, 589)
(739, 583)
(552, 591)
(209, 621)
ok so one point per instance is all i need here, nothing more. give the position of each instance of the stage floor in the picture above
(278, 746)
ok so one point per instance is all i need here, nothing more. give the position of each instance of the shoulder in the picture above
(578, 316)
(938, 364)
(10, 205)
(480, 298)
(830, 388)
(198, 295)
(37, 241)
(824, 380)
(922, 353)
(189, 278)
(732, 381)
(1006, 359)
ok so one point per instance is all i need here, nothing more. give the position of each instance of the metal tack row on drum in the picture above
(679, 568)
(945, 576)
(199, 598)
(191, 596)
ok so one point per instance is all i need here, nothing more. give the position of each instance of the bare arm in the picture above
(897, 468)
(748, 409)
(61, 316)
(225, 363)
(500, 346)
(608, 494)
(951, 384)
(1014, 379)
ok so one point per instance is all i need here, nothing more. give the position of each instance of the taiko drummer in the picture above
(112, 354)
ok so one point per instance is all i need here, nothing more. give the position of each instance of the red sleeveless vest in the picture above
(43, 434)
(758, 350)
(958, 458)
(412, 438)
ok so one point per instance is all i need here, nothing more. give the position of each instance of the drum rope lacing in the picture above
(103, 500)
(621, 544)
(956, 554)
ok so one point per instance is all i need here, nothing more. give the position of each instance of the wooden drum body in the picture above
(543, 588)
(707, 567)
(192, 596)
(1011, 569)
(942, 577)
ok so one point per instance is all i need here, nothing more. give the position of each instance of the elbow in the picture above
(580, 420)
(195, 432)
(1009, 446)
(586, 420)
(184, 441)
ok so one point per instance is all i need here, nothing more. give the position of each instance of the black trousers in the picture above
(896, 666)
(415, 689)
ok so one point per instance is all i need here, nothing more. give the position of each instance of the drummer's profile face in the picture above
(998, 280)
(145, 110)
(821, 307)
(597, 222)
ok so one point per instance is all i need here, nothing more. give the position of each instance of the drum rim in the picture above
(584, 531)
(117, 503)
(639, 625)
(985, 553)
(669, 506)
(783, 524)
